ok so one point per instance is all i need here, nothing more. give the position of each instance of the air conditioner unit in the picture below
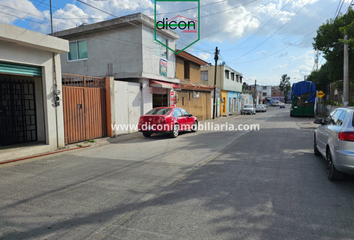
(195, 94)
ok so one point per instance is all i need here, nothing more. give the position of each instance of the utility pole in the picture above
(316, 60)
(51, 17)
(255, 92)
(346, 74)
(216, 58)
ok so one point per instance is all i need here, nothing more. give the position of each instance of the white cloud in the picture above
(17, 9)
(204, 56)
(282, 66)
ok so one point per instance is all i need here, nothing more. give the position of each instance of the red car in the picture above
(171, 120)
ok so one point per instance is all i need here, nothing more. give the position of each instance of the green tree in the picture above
(330, 40)
(284, 85)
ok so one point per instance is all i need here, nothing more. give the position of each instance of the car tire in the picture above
(175, 131)
(147, 134)
(195, 127)
(315, 149)
(332, 173)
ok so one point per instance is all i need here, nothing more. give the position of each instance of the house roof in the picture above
(196, 86)
(131, 20)
(191, 58)
(28, 38)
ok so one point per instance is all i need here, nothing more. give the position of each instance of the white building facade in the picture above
(31, 113)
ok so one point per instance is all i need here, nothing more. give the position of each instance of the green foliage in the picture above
(90, 140)
(79, 145)
(330, 40)
(284, 85)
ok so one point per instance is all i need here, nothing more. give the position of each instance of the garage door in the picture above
(22, 69)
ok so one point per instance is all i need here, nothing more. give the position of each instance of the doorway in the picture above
(18, 122)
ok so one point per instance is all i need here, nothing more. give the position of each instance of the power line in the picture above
(253, 35)
(290, 45)
(236, 21)
(23, 18)
(27, 14)
(272, 34)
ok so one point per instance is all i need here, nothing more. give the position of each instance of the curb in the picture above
(40, 155)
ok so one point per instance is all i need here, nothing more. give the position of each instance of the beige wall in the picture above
(180, 68)
(219, 75)
(194, 70)
(199, 107)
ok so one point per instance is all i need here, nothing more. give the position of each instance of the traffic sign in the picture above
(320, 94)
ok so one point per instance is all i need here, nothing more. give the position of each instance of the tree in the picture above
(244, 87)
(284, 85)
(330, 40)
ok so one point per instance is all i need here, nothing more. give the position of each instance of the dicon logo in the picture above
(185, 24)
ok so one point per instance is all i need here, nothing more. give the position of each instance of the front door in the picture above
(18, 123)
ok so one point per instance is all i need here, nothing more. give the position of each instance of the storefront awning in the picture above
(159, 84)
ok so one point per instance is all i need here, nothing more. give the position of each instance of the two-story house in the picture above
(277, 94)
(230, 83)
(125, 48)
(195, 94)
(266, 93)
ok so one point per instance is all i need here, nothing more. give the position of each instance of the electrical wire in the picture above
(269, 21)
(272, 34)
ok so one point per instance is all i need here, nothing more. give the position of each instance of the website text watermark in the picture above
(207, 126)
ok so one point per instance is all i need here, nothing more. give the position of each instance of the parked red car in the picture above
(171, 120)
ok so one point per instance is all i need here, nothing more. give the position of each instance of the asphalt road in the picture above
(264, 184)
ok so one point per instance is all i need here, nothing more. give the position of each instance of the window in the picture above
(240, 79)
(159, 49)
(186, 69)
(177, 113)
(182, 101)
(159, 111)
(264, 88)
(233, 76)
(341, 118)
(204, 75)
(335, 117)
(227, 74)
(237, 77)
(264, 94)
(77, 50)
(184, 112)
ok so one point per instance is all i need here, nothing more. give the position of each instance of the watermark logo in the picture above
(188, 26)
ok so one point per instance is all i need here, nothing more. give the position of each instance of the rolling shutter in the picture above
(15, 68)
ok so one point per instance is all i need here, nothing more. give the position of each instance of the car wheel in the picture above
(195, 127)
(332, 172)
(147, 134)
(175, 131)
(315, 150)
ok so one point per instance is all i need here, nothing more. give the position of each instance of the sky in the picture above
(262, 39)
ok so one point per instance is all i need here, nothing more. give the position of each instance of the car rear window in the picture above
(353, 120)
(159, 111)
(247, 106)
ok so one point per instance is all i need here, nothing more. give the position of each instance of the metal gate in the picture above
(18, 123)
(84, 104)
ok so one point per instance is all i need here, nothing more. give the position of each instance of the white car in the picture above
(334, 140)
(248, 109)
(261, 108)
